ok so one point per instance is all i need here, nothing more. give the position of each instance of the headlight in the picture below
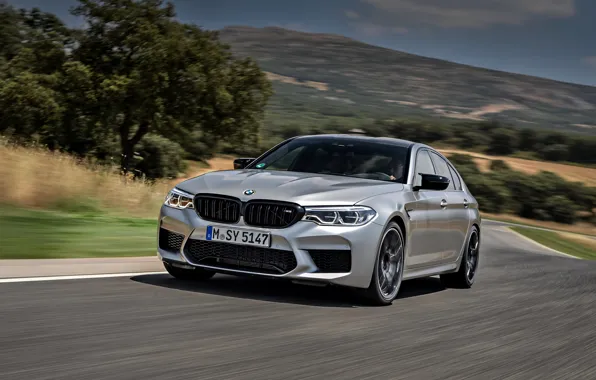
(179, 199)
(340, 216)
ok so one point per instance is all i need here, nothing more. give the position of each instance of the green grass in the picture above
(556, 241)
(36, 234)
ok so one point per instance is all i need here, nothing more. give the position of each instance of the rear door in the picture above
(428, 219)
(457, 209)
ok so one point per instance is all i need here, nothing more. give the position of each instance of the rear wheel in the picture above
(197, 274)
(388, 269)
(465, 276)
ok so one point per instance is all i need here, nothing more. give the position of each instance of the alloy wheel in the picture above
(389, 263)
(472, 256)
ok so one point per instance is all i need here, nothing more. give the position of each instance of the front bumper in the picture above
(299, 239)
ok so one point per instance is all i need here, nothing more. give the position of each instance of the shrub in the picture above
(499, 165)
(561, 209)
(159, 157)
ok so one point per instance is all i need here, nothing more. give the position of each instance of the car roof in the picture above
(386, 140)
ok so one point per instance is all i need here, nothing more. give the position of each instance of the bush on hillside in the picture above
(543, 196)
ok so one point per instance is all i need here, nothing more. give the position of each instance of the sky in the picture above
(548, 38)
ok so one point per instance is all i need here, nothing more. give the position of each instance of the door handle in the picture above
(466, 203)
(443, 203)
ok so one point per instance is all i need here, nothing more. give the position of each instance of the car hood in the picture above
(303, 188)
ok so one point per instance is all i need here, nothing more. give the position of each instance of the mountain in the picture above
(323, 76)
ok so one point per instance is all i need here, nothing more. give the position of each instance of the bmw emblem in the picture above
(249, 192)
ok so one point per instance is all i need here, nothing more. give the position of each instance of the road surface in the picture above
(530, 315)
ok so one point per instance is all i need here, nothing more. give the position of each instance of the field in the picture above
(39, 234)
(586, 175)
(582, 247)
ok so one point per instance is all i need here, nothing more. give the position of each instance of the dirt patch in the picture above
(584, 125)
(402, 102)
(321, 86)
(496, 108)
(478, 113)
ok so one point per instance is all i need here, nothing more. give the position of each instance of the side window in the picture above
(443, 170)
(424, 165)
(455, 178)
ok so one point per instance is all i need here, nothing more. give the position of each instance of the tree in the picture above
(555, 152)
(154, 74)
(28, 107)
(528, 138)
(503, 141)
(10, 39)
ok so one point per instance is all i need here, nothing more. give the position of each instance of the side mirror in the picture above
(241, 163)
(433, 182)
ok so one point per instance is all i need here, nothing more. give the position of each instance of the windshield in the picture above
(337, 156)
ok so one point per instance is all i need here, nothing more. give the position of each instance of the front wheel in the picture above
(389, 268)
(197, 274)
(465, 276)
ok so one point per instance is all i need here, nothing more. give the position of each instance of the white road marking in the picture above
(75, 277)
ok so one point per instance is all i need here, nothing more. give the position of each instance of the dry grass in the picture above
(568, 172)
(587, 241)
(37, 178)
(214, 164)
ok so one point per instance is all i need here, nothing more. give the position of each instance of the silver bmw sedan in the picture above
(356, 211)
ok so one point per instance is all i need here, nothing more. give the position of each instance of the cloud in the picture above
(352, 15)
(590, 61)
(469, 13)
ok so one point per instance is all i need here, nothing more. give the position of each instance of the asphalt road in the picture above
(529, 316)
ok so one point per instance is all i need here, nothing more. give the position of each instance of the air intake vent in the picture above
(332, 261)
(246, 258)
(170, 241)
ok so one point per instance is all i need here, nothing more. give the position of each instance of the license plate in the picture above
(238, 236)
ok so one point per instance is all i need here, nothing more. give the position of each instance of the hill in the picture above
(321, 76)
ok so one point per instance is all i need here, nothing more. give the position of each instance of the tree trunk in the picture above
(127, 145)
(127, 153)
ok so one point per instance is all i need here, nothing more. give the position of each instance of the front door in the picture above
(429, 221)
(457, 210)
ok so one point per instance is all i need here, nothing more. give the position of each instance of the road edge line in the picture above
(75, 277)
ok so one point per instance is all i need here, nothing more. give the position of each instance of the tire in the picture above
(197, 274)
(389, 264)
(466, 275)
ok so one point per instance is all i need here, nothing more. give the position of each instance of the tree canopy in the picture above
(133, 70)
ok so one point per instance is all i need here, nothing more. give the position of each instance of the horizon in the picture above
(407, 52)
(507, 36)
